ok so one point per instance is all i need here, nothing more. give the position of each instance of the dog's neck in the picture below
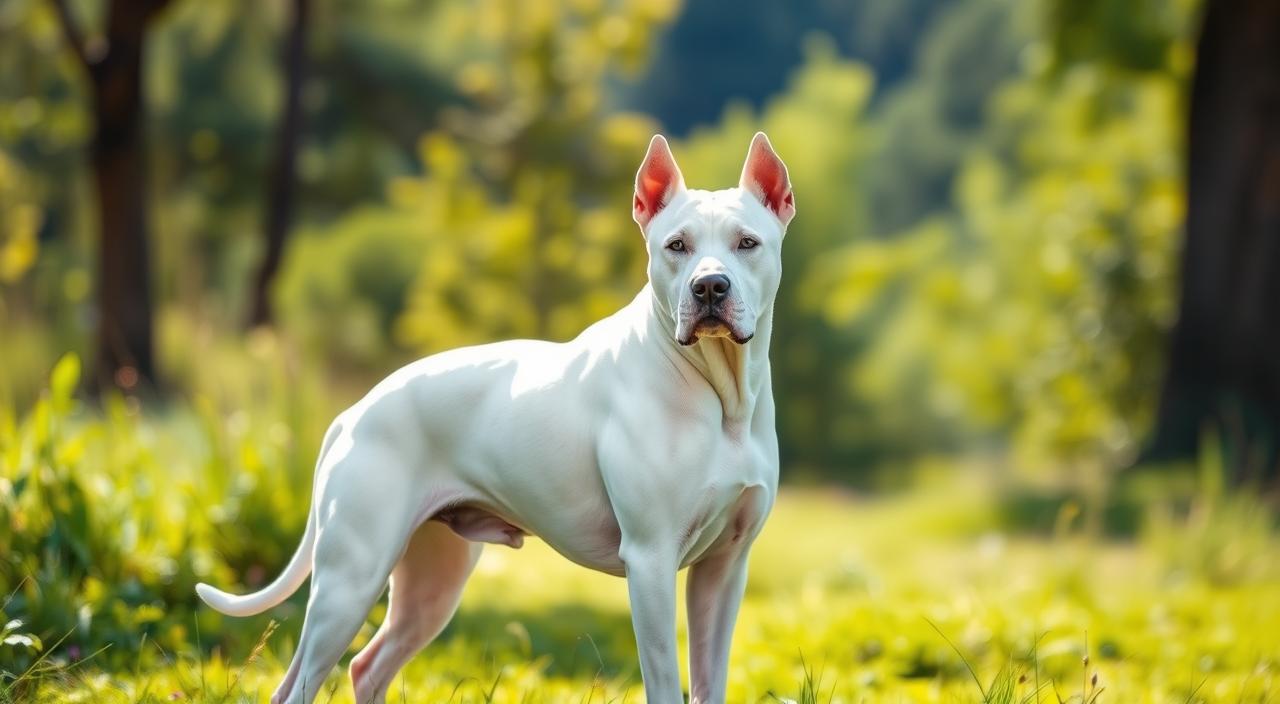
(738, 373)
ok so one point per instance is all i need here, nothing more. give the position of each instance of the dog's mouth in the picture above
(711, 325)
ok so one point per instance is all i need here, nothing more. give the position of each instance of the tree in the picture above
(1224, 361)
(519, 225)
(283, 176)
(124, 348)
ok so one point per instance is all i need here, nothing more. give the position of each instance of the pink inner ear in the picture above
(767, 176)
(653, 186)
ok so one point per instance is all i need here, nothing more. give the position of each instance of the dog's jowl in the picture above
(643, 446)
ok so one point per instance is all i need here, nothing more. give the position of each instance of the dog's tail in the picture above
(279, 590)
(295, 573)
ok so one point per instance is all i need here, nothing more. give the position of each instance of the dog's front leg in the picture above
(651, 583)
(713, 593)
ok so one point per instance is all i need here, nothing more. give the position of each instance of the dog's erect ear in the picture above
(657, 181)
(765, 176)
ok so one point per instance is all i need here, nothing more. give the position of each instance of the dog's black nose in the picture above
(710, 288)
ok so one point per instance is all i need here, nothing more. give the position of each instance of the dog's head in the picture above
(715, 257)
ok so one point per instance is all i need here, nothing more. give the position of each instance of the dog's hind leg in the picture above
(426, 586)
(361, 534)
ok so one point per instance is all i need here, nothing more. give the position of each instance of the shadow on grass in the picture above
(579, 640)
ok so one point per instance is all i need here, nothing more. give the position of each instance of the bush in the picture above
(108, 519)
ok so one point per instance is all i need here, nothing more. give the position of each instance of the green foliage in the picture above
(342, 290)
(105, 522)
(77, 550)
(1123, 34)
(1037, 310)
(19, 652)
(983, 254)
(538, 262)
(926, 125)
(21, 220)
(519, 227)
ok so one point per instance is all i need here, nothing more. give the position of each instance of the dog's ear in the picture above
(657, 181)
(765, 176)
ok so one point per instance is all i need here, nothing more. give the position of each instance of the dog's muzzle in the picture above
(711, 312)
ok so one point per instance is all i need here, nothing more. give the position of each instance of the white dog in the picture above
(643, 446)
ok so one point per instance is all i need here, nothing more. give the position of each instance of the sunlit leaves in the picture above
(20, 220)
(519, 225)
(1044, 315)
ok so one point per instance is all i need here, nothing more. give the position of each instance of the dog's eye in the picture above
(676, 245)
(748, 243)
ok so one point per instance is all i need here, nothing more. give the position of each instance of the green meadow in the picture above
(969, 587)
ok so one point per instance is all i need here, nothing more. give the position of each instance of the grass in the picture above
(936, 594)
(850, 601)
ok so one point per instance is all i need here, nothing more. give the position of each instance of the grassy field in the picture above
(869, 601)
(961, 589)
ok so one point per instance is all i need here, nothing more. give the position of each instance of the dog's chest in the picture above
(721, 495)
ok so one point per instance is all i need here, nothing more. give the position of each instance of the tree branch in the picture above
(72, 32)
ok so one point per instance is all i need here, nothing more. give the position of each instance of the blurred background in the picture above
(1037, 240)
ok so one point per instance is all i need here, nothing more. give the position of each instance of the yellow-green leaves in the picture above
(63, 379)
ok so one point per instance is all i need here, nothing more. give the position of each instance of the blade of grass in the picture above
(969, 667)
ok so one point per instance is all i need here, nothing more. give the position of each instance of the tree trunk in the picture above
(124, 349)
(1224, 364)
(283, 175)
